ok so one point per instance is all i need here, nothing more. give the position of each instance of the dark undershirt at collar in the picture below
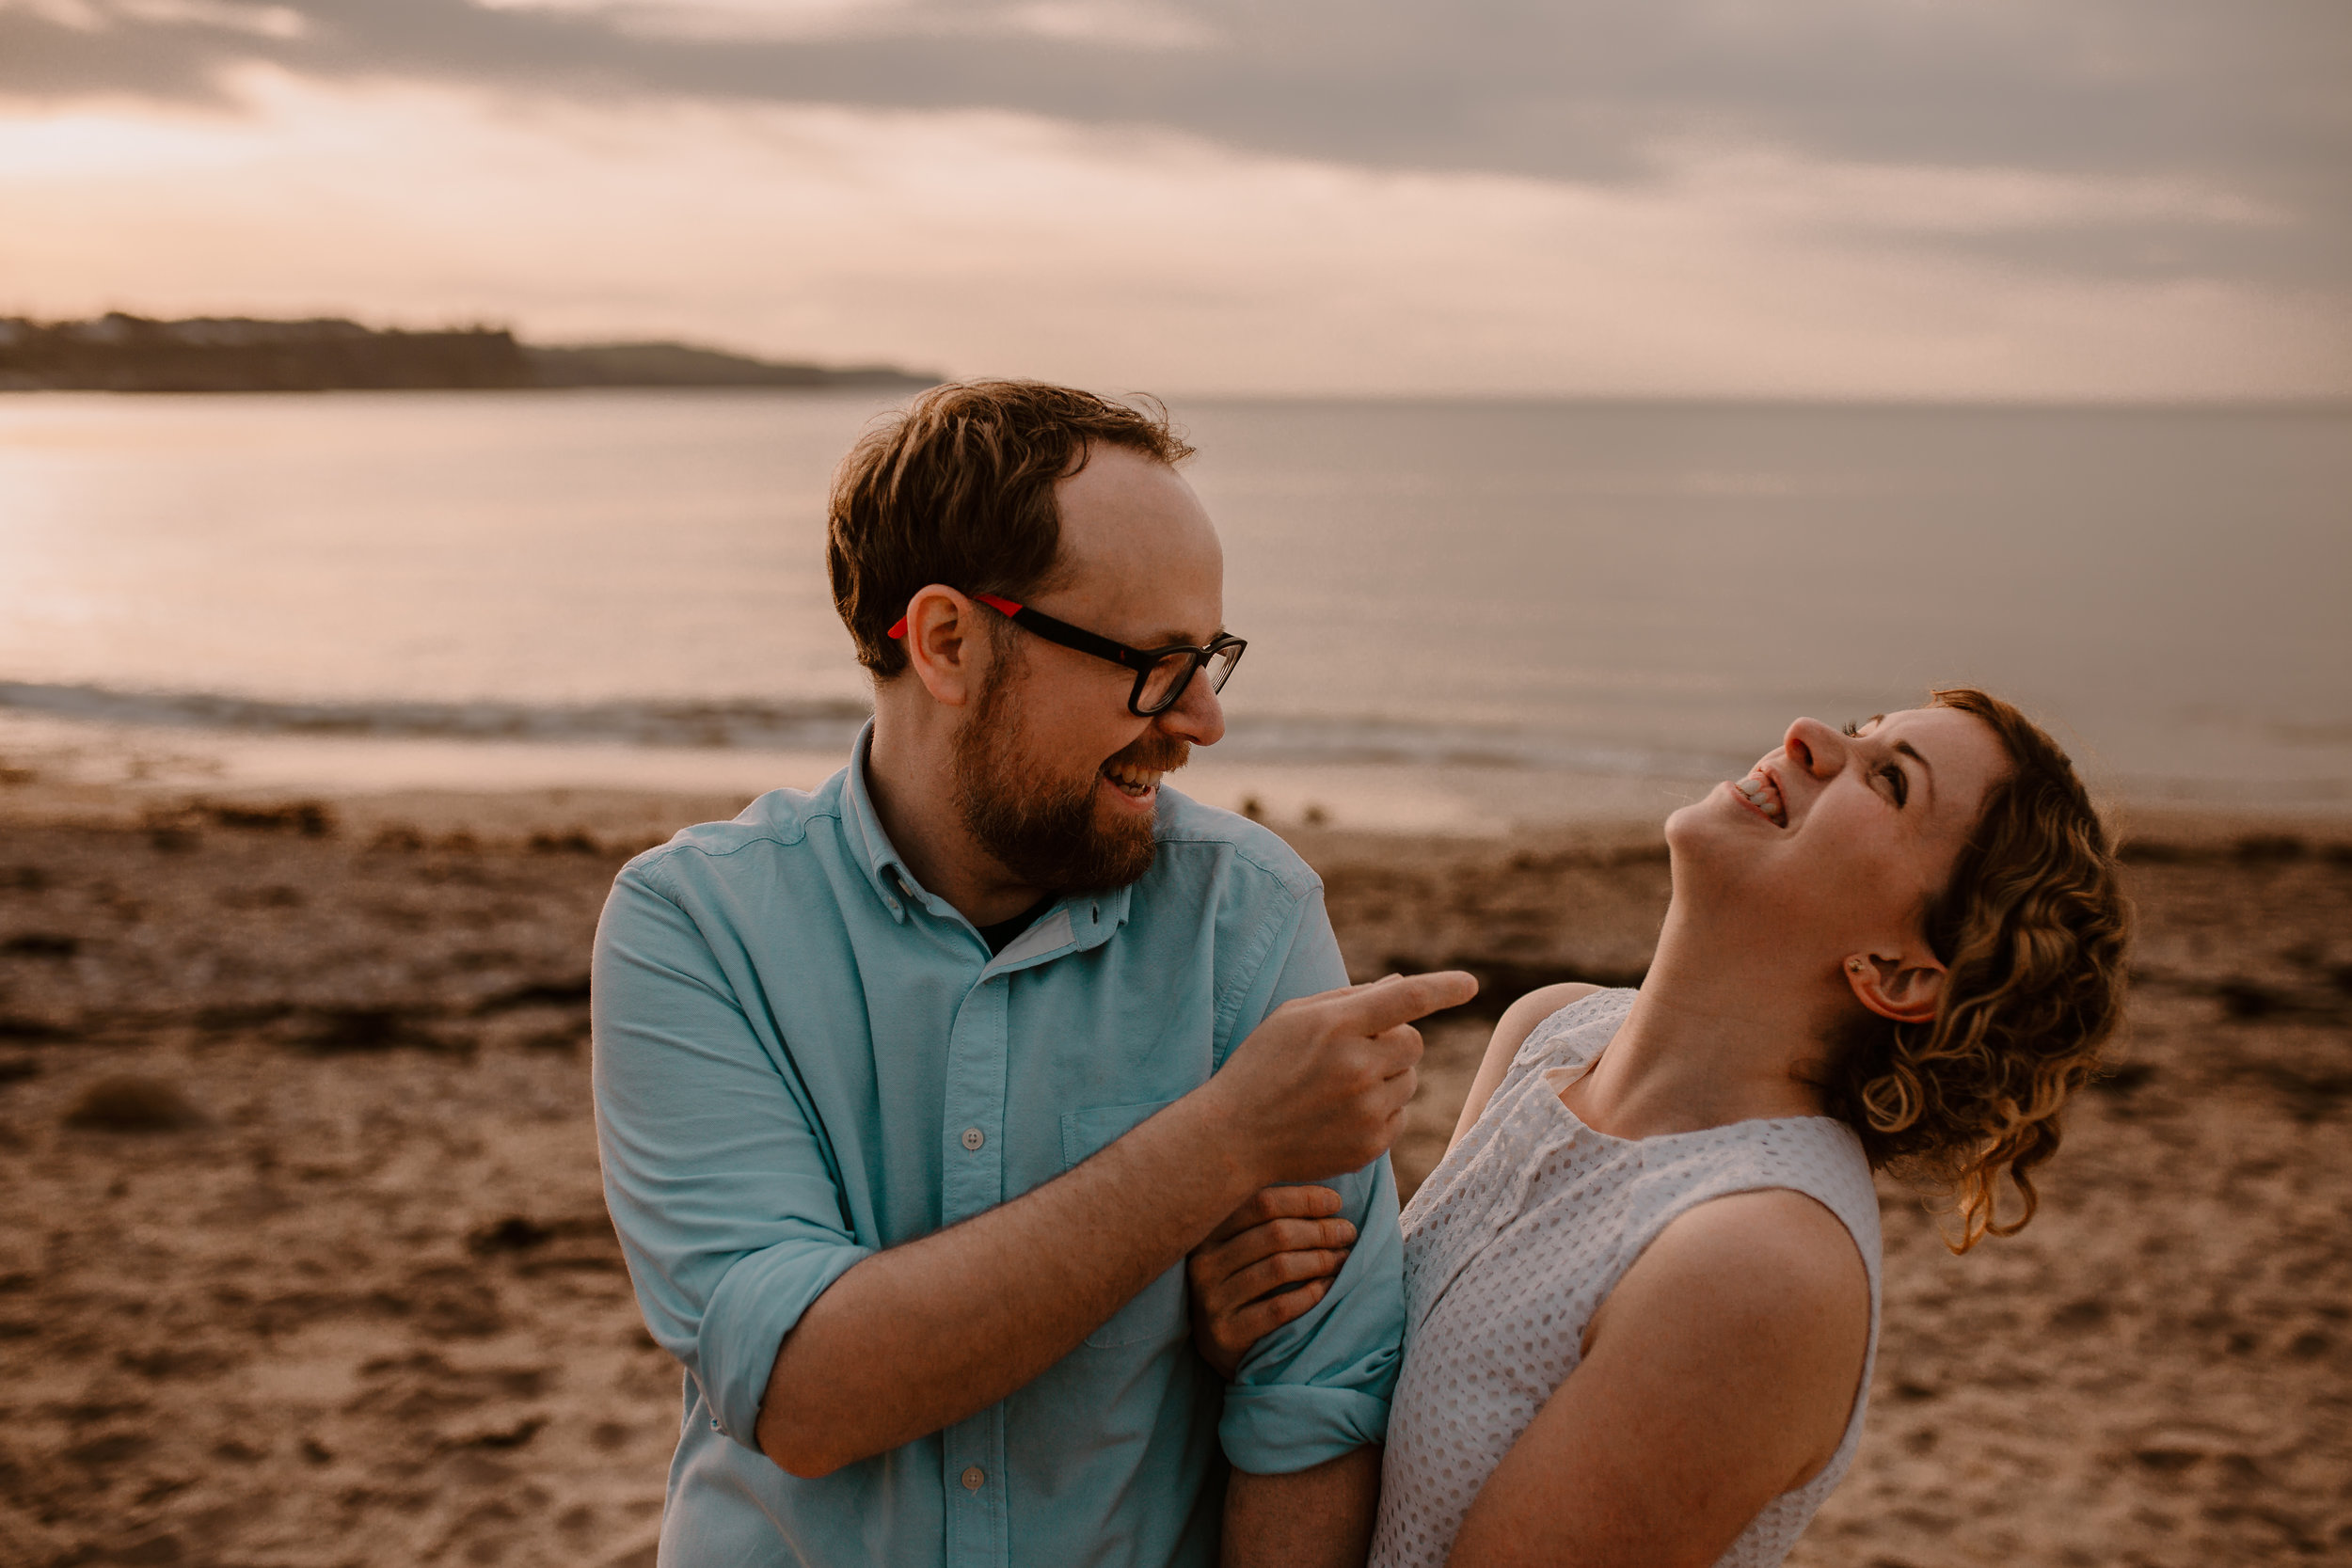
(1000, 935)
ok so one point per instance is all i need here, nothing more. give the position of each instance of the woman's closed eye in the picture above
(1898, 783)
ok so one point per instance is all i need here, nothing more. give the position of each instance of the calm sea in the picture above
(1510, 589)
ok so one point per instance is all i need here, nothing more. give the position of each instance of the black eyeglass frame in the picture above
(1140, 660)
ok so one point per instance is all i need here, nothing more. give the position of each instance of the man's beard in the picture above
(1046, 832)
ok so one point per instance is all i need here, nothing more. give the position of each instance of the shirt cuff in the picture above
(1275, 1429)
(756, 1304)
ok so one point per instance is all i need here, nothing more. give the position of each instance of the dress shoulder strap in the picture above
(1574, 1035)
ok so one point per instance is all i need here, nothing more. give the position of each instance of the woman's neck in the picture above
(1718, 1035)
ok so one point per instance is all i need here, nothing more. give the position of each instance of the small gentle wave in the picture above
(816, 725)
(1347, 740)
(750, 724)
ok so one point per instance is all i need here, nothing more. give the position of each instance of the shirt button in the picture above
(972, 1138)
(974, 1478)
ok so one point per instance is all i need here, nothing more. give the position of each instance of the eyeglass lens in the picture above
(1165, 680)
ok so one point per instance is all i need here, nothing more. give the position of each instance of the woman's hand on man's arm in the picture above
(1267, 1263)
(1720, 1372)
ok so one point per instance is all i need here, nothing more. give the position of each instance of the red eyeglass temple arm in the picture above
(898, 628)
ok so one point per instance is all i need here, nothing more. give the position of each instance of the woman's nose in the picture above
(1816, 747)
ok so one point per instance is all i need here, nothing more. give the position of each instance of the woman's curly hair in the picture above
(2032, 927)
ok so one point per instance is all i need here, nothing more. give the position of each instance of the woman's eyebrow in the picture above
(1926, 767)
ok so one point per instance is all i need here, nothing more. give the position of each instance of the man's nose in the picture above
(1816, 747)
(1196, 716)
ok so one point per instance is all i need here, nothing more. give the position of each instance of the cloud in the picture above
(988, 242)
(2006, 197)
(2245, 100)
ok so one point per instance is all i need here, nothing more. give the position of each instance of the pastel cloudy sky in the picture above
(2136, 198)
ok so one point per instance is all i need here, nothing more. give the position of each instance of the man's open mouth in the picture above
(1135, 782)
(1762, 791)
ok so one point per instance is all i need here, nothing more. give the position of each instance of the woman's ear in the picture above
(946, 646)
(1905, 988)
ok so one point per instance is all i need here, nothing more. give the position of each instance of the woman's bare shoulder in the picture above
(1539, 1005)
(1546, 1000)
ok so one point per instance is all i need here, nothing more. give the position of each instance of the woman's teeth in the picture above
(1760, 792)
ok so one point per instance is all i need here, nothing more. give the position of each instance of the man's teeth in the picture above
(1760, 793)
(1135, 780)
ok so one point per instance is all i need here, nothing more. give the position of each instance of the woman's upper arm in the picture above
(1511, 1032)
(1721, 1372)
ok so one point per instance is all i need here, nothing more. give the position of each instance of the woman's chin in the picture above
(1701, 830)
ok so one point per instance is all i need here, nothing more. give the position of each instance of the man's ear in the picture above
(1903, 987)
(946, 648)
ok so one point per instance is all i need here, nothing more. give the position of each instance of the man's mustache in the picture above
(1154, 751)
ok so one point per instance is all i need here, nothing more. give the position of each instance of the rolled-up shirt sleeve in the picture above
(716, 1171)
(1319, 1387)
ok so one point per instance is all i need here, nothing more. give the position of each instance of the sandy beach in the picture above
(307, 1260)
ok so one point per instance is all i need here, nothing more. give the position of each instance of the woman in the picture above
(1641, 1286)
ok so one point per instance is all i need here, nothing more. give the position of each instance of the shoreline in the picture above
(57, 769)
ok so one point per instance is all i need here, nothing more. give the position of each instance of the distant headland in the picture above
(118, 353)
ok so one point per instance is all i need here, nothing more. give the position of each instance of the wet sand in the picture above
(305, 1261)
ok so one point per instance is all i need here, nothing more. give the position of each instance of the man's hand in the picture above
(1320, 1087)
(1270, 1261)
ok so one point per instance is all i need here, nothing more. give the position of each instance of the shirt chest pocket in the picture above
(1157, 1312)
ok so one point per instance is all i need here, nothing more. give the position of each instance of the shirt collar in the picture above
(1093, 916)
(861, 824)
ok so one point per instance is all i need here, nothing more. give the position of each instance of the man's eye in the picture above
(1896, 783)
(1850, 727)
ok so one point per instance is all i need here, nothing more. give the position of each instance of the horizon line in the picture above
(2313, 403)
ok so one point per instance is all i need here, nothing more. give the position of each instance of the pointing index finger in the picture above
(1402, 998)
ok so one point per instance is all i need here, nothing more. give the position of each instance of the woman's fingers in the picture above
(1240, 1330)
(1277, 1273)
(1268, 1263)
(1224, 1293)
(1225, 1337)
(1304, 1201)
(1274, 1237)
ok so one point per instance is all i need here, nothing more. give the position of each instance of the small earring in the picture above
(1854, 964)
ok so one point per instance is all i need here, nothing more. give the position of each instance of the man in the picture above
(915, 1092)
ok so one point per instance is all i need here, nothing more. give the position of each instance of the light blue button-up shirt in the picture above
(802, 1057)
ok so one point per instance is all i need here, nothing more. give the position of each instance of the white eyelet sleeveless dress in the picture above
(1520, 1235)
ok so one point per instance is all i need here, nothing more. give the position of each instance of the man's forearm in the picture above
(1319, 1517)
(917, 1338)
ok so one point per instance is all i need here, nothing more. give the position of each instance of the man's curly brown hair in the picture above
(2032, 927)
